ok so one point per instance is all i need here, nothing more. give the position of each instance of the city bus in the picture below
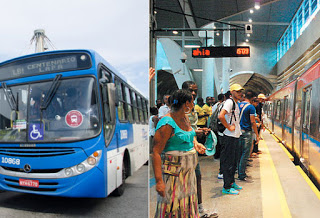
(70, 125)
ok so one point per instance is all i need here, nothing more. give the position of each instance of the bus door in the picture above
(285, 117)
(304, 141)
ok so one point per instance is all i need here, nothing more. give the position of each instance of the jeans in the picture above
(244, 152)
(228, 159)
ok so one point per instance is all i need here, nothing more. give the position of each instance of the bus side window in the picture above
(135, 107)
(129, 104)
(121, 106)
(145, 110)
(140, 109)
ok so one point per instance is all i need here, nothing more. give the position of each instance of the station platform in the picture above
(278, 188)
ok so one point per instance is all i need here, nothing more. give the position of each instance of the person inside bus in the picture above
(175, 137)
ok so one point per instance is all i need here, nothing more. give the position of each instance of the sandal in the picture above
(213, 215)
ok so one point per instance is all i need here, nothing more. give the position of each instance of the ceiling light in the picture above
(251, 11)
(248, 35)
(250, 20)
(214, 27)
(175, 32)
(218, 34)
(257, 5)
(192, 46)
(247, 40)
(197, 70)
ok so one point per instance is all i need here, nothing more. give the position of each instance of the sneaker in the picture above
(246, 179)
(230, 191)
(235, 186)
(201, 209)
(220, 176)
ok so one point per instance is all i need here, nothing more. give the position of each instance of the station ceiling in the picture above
(269, 22)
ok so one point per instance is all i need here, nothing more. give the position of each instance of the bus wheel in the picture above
(120, 190)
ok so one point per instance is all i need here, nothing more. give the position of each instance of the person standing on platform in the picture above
(193, 119)
(163, 110)
(175, 173)
(247, 123)
(261, 98)
(229, 117)
(207, 107)
(221, 99)
(153, 121)
(202, 115)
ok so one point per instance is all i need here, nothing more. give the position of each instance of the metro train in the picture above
(294, 118)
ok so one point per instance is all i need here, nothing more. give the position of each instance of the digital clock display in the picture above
(221, 52)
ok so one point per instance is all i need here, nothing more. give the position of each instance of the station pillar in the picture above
(209, 69)
(226, 69)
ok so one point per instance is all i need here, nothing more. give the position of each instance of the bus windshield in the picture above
(71, 114)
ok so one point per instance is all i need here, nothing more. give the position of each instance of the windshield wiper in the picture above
(10, 98)
(52, 91)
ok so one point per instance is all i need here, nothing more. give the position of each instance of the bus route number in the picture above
(10, 161)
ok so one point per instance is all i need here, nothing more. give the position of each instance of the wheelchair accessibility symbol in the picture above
(35, 131)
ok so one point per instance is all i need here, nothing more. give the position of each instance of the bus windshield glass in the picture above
(71, 114)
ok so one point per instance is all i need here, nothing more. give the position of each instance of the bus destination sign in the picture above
(221, 52)
(50, 63)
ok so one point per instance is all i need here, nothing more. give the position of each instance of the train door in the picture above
(304, 142)
(284, 121)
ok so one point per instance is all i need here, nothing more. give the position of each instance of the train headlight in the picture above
(84, 166)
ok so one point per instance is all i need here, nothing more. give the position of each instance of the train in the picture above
(293, 117)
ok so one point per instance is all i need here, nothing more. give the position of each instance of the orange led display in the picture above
(220, 52)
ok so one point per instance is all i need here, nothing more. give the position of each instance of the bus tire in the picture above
(120, 190)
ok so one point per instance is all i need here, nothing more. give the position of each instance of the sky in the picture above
(117, 30)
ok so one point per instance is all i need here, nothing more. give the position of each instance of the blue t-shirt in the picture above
(245, 122)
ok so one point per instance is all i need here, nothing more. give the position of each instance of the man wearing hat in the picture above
(262, 99)
(229, 117)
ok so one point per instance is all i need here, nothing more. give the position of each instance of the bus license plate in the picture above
(29, 183)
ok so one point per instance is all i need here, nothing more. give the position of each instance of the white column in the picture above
(224, 87)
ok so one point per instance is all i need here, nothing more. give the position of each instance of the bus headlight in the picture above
(68, 172)
(81, 168)
(91, 161)
(84, 166)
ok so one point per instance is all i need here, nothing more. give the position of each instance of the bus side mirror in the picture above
(103, 81)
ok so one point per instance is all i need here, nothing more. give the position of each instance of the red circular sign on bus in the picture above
(74, 118)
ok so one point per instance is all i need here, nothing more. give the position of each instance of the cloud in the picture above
(117, 30)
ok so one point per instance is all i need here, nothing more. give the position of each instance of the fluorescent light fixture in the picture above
(247, 40)
(175, 32)
(257, 5)
(251, 11)
(250, 20)
(197, 70)
(248, 35)
(192, 46)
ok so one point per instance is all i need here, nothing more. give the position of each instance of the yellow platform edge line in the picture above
(282, 198)
(283, 148)
(309, 182)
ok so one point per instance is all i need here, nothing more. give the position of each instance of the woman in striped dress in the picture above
(175, 171)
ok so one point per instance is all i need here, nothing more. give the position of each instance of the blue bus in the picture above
(70, 125)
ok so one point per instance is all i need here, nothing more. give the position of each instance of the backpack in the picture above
(215, 124)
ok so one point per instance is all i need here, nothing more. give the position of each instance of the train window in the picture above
(278, 110)
(307, 108)
(121, 106)
(129, 105)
